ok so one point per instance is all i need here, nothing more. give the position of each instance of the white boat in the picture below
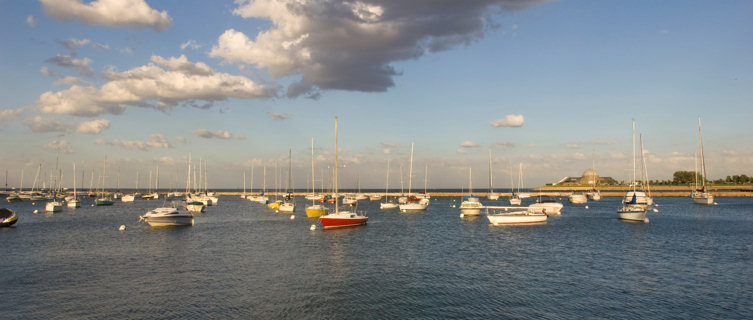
(546, 206)
(375, 197)
(349, 199)
(413, 204)
(516, 217)
(168, 216)
(471, 206)
(73, 201)
(53, 206)
(701, 195)
(387, 204)
(578, 198)
(286, 207)
(594, 195)
(193, 204)
(341, 219)
(492, 195)
(636, 203)
(515, 199)
(128, 198)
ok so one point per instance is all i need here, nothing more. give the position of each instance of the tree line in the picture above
(690, 178)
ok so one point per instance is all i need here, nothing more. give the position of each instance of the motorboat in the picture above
(7, 217)
(128, 198)
(168, 216)
(388, 205)
(471, 206)
(414, 206)
(194, 206)
(578, 198)
(341, 219)
(516, 217)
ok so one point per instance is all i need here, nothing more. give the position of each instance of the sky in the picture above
(549, 86)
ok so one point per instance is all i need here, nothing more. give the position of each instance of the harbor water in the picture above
(243, 260)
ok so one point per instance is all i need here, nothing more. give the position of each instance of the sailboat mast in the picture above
(313, 187)
(470, 181)
(634, 156)
(703, 162)
(387, 183)
(491, 181)
(336, 189)
(410, 171)
(645, 170)
(74, 179)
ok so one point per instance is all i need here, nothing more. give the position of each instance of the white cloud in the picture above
(219, 134)
(461, 151)
(151, 86)
(350, 45)
(59, 146)
(38, 124)
(510, 120)
(181, 139)
(191, 44)
(578, 156)
(469, 144)
(155, 141)
(93, 127)
(113, 13)
(572, 146)
(11, 114)
(279, 116)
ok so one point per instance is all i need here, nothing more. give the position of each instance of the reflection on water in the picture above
(241, 260)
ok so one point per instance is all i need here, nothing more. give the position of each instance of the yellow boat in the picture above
(274, 205)
(316, 210)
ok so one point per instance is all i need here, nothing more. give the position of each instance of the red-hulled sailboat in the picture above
(340, 219)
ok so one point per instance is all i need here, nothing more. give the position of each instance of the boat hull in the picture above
(578, 199)
(286, 207)
(516, 218)
(7, 217)
(387, 205)
(73, 204)
(53, 207)
(548, 208)
(703, 198)
(632, 214)
(342, 220)
(169, 221)
(412, 207)
(316, 211)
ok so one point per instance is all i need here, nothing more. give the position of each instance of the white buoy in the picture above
(716, 203)
(36, 211)
(313, 227)
(33, 203)
(122, 227)
(656, 210)
(645, 220)
(462, 215)
(586, 207)
(292, 216)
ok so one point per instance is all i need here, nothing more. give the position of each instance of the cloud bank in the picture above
(113, 13)
(350, 45)
(164, 83)
(219, 134)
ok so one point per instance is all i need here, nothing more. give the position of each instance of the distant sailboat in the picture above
(387, 204)
(288, 205)
(702, 195)
(73, 203)
(636, 203)
(314, 210)
(413, 204)
(492, 195)
(471, 206)
(103, 199)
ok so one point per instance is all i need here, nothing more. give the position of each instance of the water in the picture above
(242, 260)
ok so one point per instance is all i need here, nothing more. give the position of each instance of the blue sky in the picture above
(146, 83)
